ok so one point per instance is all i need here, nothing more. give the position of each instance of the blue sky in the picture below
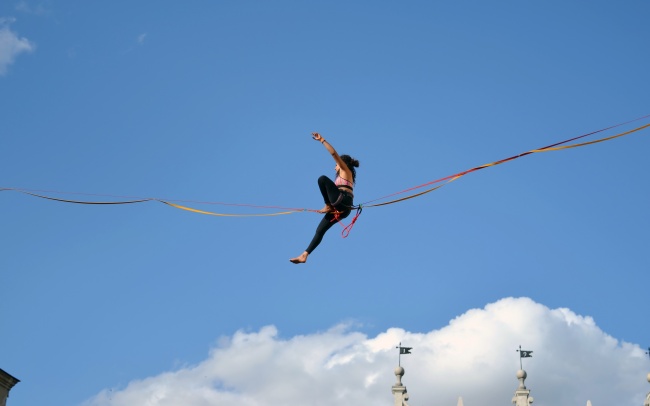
(215, 102)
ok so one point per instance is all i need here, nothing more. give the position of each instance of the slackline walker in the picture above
(338, 194)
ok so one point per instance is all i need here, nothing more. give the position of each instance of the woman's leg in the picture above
(331, 196)
(329, 190)
(325, 224)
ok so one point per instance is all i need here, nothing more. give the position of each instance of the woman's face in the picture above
(337, 168)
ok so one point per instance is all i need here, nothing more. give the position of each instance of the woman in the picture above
(338, 196)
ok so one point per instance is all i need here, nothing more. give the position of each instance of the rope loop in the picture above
(348, 228)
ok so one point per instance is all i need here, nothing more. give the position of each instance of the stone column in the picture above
(522, 395)
(399, 390)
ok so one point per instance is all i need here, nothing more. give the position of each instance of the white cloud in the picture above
(473, 357)
(141, 38)
(11, 45)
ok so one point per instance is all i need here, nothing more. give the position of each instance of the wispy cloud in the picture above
(24, 7)
(473, 357)
(139, 41)
(11, 45)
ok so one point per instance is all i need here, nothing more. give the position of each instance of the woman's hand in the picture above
(317, 137)
(329, 148)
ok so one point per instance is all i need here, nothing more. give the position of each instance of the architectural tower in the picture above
(522, 395)
(399, 391)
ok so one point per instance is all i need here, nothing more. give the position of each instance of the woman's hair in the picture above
(351, 163)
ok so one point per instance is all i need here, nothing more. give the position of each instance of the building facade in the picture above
(6, 383)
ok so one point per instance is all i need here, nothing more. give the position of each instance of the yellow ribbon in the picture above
(455, 177)
(149, 200)
(178, 206)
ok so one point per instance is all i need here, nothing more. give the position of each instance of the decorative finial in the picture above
(523, 354)
(402, 350)
(399, 373)
(521, 376)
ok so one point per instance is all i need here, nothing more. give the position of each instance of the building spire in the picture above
(399, 390)
(522, 395)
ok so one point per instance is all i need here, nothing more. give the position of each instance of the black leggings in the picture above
(341, 201)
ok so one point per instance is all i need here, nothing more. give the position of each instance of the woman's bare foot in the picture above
(301, 259)
(326, 209)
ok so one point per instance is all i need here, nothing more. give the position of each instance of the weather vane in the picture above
(523, 354)
(402, 350)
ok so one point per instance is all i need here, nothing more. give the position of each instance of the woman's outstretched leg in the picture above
(332, 197)
(325, 224)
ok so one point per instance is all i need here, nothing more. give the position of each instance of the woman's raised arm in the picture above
(332, 151)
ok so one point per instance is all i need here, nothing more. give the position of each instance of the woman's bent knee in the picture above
(322, 180)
